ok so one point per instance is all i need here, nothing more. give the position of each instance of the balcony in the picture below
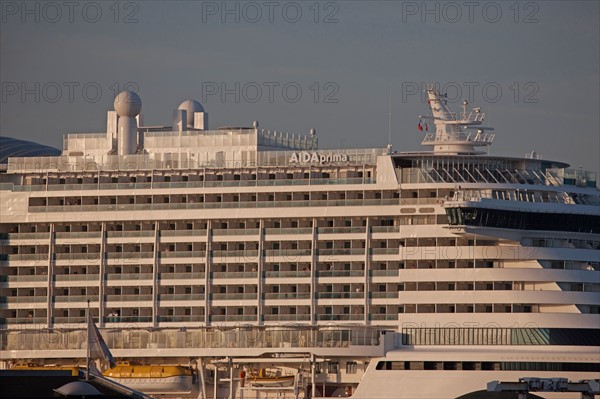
(233, 275)
(340, 317)
(341, 230)
(287, 274)
(76, 277)
(77, 234)
(181, 319)
(127, 234)
(232, 318)
(24, 299)
(129, 276)
(340, 273)
(234, 296)
(386, 295)
(25, 278)
(181, 297)
(183, 233)
(286, 295)
(25, 320)
(86, 256)
(235, 232)
(340, 295)
(129, 298)
(76, 298)
(182, 276)
(288, 231)
(128, 319)
(69, 320)
(286, 317)
(183, 254)
(331, 253)
(29, 236)
(382, 317)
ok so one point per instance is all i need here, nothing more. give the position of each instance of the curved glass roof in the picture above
(11, 147)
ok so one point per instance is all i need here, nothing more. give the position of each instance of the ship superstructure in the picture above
(240, 249)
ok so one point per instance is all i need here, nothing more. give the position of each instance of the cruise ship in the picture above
(272, 267)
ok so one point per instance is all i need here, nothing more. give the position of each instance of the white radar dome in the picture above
(128, 104)
(191, 106)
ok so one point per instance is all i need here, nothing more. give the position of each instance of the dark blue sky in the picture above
(532, 66)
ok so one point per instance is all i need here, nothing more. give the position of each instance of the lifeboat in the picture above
(269, 378)
(155, 379)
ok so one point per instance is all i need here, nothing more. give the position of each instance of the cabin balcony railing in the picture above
(184, 184)
(183, 276)
(233, 296)
(233, 275)
(29, 236)
(289, 253)
(286, 317)
(288, 230)
(340, 273)
(286, 295)
(181, 297)
(28, 257)
(235, 232)
(127, 319)
(232, 318)
(340, 295)
(128, 298)
(182, 233)
(181, 318)
(183, 254)
(287, 274)
(134, 233)
(213, 205)
(340, 317)
(78, 234)
(76, 277)
(129, 276)
(24, 299)
(340, 230)
(25, 278)
(341, 251)
(384, 273)
(75, 298)
(380, 295)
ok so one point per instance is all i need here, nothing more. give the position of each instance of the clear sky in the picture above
(533, 67)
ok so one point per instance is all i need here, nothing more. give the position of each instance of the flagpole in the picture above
(87, 356)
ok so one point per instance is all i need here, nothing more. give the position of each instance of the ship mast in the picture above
(455, 134)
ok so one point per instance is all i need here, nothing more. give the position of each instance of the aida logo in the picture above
(314, 157)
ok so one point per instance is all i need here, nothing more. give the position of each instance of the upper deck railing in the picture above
(187, 160)
(474, 174)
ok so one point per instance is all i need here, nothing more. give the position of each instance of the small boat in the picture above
(269, 378)
(155, 378)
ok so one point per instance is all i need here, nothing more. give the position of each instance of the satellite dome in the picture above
(191, 106)
(128, 104)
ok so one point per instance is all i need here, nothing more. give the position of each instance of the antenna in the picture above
(390, 119)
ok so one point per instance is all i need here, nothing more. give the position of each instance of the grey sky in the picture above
(543, 56)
